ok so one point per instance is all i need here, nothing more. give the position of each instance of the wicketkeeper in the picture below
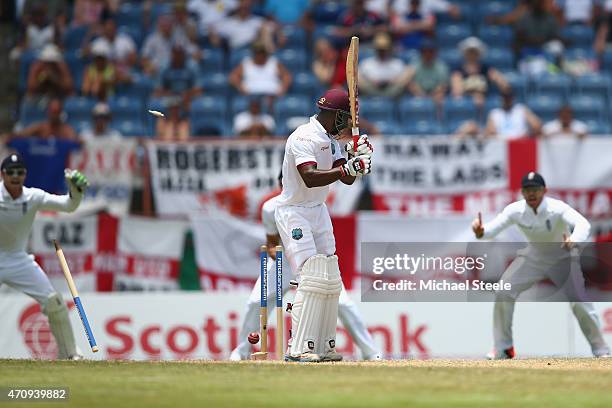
(18, 207)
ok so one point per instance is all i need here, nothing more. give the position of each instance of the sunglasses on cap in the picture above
(15, 172)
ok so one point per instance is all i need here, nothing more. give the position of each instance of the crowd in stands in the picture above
(247, 68)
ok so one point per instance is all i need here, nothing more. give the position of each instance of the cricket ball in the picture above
(253, 337)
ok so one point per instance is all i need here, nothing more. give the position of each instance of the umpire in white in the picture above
(18, 207)
(542, 220)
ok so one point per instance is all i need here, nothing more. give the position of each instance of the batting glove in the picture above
(357, 166)
(364, 147)
(76, 180)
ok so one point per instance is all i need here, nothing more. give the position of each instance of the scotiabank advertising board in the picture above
(171, 326)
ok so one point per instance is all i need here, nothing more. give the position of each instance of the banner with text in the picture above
(107, 253)
(439, 176)
(171, 326)
(234, 176)
(111, 168)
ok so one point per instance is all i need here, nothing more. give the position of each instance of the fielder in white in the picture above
(313, 160)
(18, 207)
(347, 310)
(542, 220)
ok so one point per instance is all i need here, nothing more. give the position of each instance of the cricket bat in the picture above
(352, 58)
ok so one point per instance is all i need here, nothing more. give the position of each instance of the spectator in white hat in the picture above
(383, 74)
(49, 75)
(101, 76)
(101, 117)
(475, 78)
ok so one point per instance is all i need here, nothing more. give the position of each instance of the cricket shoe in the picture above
(306, 357)
(331, 355)
(506, 354)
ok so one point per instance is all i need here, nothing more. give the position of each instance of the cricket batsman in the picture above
(313, 160)
(542, 220)
(347, 310)
(18, 207)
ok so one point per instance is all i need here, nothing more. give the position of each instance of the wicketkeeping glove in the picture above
(76, 180)
(357, 166)
(363, 147)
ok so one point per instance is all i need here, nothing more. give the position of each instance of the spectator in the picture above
(91, 12)
(389, 8)
(512, 120)
(178, 79)
(383, 74)
(101, 117)
(49, 76)
(324, 62)
(56, 10)
(535, 28)
(158, 45)
(576, 11)
(286, 11)
(565, 126)
(175, 126)
(210, 12)
(429, 76)
(475, 78)
(413, 26)
(254, 122)
(603, 34)
(360, 22)
(185, 30)
(54, 127)
(38, 32)
(260, 74)
(242, 28)
(100, 76)
(123, 48)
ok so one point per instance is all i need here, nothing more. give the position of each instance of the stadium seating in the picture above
(546, 107)
(450, 34)
(376, 109)
(588, 107)
(293, 59)
(412, 110)
(593, 85)
(31, 112)
(216, 84)
(291, 106)
(424, 128)
(496, 35)
(557, 86)
(458, 110)
(212, 61)
(305, 83)
(208, 107)
(78, 107)
(126, 108)
(500, 58)
(578, 35)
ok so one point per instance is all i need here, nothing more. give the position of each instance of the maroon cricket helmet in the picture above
(335, 99)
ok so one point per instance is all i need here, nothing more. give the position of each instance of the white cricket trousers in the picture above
(524, 272)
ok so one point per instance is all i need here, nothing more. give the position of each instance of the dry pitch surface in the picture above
(431, 383)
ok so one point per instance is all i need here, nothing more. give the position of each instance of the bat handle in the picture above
(355, 133)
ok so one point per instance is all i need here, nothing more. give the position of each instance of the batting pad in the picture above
(330, 318)
(310, 312)
(57, 313)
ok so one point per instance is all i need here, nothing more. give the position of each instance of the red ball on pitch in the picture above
(253, 337)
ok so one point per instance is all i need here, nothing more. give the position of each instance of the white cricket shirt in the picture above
(309, 143)
(17, 216)
(553, 219)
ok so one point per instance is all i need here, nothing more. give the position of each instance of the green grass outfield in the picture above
(432, 383)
